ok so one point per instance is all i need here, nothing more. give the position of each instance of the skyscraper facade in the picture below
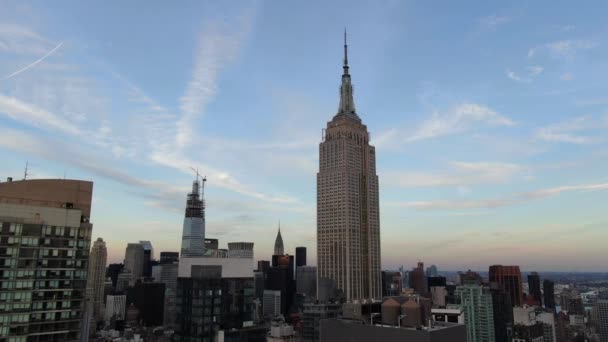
(213, 294)
(602, 309)
(96, 278)
(193, 233)
(240, 250)
(391, 283)
(509, 278)
(432, 271)
(306, 281)
(169, 257)
(348, 214)
(300, 256)
(417, 279)
(45, 236)
(115, 308)
(503, 314)
(476, 302)
(134, 261)
(549, 294)
(148, 256)
(534, 287)
(272, 304)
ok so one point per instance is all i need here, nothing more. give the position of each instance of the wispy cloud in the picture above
(499, 202)
(532, 72)
(562, 48)
(32, 115)
(65, 102)
(34, 63)
(70, 154)
(567, 76)
(461, 174)
(216, 177)
(576, 131)
(459, 119)
(492, 22)
(218, 46)
(18, 39)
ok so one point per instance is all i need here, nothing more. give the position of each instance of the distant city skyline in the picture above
(489, 122)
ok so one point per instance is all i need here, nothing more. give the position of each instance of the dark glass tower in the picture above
(169, 257)
(300, 256)
(509, 278)
(534, 287)
(207, 302)
(549, 294)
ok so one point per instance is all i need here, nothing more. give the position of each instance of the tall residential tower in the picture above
(97, 277)
(45, 235)
(348, 215)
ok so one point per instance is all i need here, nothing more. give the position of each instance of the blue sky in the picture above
(489, 120)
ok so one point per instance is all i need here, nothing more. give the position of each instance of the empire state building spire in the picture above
(347, 103)
(348, 241)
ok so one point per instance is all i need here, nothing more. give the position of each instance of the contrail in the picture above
(33, 63)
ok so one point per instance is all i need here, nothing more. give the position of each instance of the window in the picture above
(15, 228)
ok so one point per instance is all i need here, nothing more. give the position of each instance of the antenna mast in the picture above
(204, 180)
(25, 172)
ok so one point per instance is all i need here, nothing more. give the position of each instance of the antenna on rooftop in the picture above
(25, 172)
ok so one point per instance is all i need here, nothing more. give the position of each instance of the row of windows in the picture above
(32, 241)
(13, 262)
(44, 230)
(43, 284)
(14, 318)
(9, 274)
(28, 294)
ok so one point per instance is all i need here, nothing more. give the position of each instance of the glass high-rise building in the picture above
(193, 234)
(45, 236)
(213, 294)
(534, 287)
(602, 309)
(300, 256)
(549, 294)
(476, 302)
(148, 257)
(348, 214)
(509, 278)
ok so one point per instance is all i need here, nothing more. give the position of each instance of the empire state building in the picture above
(348, 215)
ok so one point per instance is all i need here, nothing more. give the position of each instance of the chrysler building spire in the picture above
(278, 243)
(347, 104)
